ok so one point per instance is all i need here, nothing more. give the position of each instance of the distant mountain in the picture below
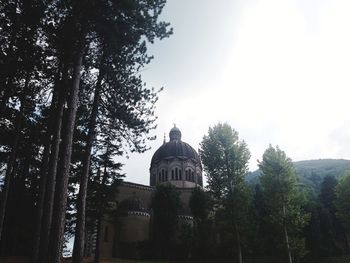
(312, 172)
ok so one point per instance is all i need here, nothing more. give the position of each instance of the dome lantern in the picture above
(175, 134)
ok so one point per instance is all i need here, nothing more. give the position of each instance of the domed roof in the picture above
(175, 148)
(131, 204)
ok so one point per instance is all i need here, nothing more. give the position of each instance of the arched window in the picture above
(176, 174)
(159, 177)
(189, 175)
(166, 175)
(180, 174)
(172, 174)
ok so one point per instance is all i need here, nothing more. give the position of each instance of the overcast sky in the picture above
(278, 71)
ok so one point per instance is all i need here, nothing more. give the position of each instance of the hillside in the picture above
(312, 172)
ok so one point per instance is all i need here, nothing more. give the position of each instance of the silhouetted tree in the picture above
(201, 206)
(225, 159)
(165, 205)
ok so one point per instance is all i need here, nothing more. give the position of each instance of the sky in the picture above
(277, 71)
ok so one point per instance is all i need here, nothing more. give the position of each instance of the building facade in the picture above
(176, 163)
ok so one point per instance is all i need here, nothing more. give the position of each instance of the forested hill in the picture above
(312, 172)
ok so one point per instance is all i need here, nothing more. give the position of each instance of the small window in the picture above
(166, 175)
(180, 175)
(172, 174)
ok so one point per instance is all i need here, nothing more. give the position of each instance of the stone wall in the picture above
(135, 226)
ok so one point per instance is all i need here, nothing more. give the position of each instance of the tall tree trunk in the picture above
(78, 250)
(12, 159)
(9, 169)
(52, 171)
(44, 172)
(286, 238)
(239, 248)
(100, 212)
(62, 184)
(40, 202)
(287, 244)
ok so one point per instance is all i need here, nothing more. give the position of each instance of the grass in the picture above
(342, 259)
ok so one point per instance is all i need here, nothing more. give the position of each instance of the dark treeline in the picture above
(71, 99)
(273, 215)
(273, 218)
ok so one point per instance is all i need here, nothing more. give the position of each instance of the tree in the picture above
(48, 51)
(333, 240)
(262, 242)
(20, 58)
(201, 205)
(283, 200)
(225, 159)
(165, 205)
(342, 201)
(119, 30)
(104, 185)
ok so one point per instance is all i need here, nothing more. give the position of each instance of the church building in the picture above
(175, 162)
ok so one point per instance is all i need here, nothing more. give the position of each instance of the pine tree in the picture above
(332, 233)
(19, 65)
(342, 201)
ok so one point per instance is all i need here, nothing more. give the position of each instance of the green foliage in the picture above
(324, 233)
(186, 241)
(283, 200)
(327, 194)
(41, 42)
(165, 204)
(203, 233)
(200, 204)
(225, 159)
(343, 200)
(331, 229)
(310, 173)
